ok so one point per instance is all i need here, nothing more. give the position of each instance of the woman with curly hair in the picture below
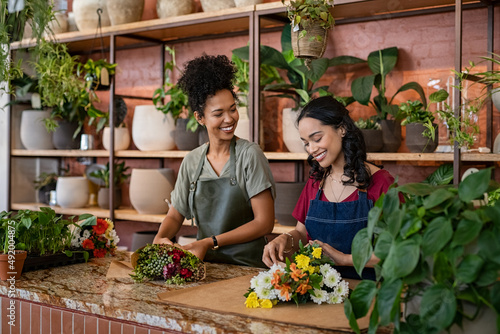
(225, 185)
(341, 189)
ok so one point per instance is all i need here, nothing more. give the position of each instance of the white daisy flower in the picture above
(319, 296)
(254, 283)
(86, 234)
(265, 279)
(264, 293)
(334, 298)
(274, 268)
(332, 278)
(324, 268)
(342, 289)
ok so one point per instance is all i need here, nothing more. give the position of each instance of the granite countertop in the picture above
(84, 287)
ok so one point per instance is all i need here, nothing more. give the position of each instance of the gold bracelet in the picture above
(291, 247)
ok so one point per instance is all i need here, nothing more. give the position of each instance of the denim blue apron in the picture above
(337, 224)
(218, 206)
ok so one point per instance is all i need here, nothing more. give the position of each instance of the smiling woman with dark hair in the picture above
(225, 185)
(341, 189)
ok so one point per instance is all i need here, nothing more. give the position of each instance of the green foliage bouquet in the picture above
(171, 263)
(310, 276)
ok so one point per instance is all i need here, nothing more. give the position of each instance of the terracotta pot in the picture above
(169, 8)
(122, 139)
(124, 11)
(86, 17)
(63, 136)
(34, 135)
(149, 188)
(5, 266)
(103, 198)
(72, 191)
(391, 135)
(152, 130)
(373, 140)
(291, 136)
(287, 195)
(212, 5)
(185, 140)
(243, 3)
(307, 47)
(417, 142)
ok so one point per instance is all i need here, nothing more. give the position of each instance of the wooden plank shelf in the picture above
(60, 153)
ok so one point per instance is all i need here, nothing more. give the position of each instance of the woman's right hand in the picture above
(274, 250)
(158, 240)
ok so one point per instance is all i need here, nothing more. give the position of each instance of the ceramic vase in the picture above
(243, 3)
(152, 130)
(72, 191)
(149, 188)
(495, 97)
(5, 265)
(243, 128)
(122, 139)
(185, 139)
(124, 11)
(287, 195)
(63, 138)
(34, 135)
(391, 135)
(169, 8)
(212, 5)
(103, 198)
(291, 136)
(86, 17)
(373, 140)
(60, 23)
(417, 142)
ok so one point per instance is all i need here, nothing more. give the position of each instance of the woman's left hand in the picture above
(199, 247)
(338, 257)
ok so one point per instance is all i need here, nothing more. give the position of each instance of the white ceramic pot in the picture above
(149, 188)
(169, 8)
(72, 191)
(212, 5)
(124, 11)
(122, 139)
(495, 97)
(291, 136)
(243, 128)
(243, 3)
(152, 130)
(86, 17)
(34, 135)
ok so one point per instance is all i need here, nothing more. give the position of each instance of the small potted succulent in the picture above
(372, 133)
(120, 176)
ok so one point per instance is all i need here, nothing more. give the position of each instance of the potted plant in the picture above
(121, 133)
(372, 133)
(97, 73)
(120, 177)
(12, 254)
(44, 184)
(381, 62)
(421, 131)
(311, 20)
(436, 249)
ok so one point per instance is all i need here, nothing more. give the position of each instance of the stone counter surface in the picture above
(85, 288)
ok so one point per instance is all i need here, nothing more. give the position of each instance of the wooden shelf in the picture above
(150, 154)
(94, 210)
(60, 153)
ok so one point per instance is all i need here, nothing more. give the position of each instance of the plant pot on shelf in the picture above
(169, 8)
(72, 191)
(152, 130)
(291, 136)
(63, 136)
(103, 198)
(373, 140)
(60, 23)
(495, 98)
(122, 139)
(243, 3)
(417, 142)
(185, 139)
(86, 17)
(243, 128)
(287, 195)
(124, 11)
(34, 134)
(308, 47)
(149, 188)
(5, 265)
(212, 5)
(44, 193)
(391, 135)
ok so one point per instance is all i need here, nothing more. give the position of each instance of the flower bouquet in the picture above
(171, 263)
(310, 276)
(96, 235)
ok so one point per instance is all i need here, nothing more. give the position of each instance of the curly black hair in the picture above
(204, 76)
(331, 112)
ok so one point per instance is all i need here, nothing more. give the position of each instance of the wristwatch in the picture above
(216, 244)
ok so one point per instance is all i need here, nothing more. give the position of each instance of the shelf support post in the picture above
(457, 98)
(254, 68)
(111, 198)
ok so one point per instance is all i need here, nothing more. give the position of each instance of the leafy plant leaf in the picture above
(383, 61)
(350, 315)
(361, 89)
(466, 231)
(469, 268)
(388, 300)
(383, 244)
(361, 250)
(402, 259)
(437, 197)
(474, 185)
(417, 189)
(441, 176)
(436, 235)
(362, 296)
(438, 306)
(489, 245)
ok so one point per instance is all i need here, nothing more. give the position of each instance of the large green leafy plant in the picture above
(435, 245)
(381, 63)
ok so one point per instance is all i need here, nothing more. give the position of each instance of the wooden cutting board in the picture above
(227, 297)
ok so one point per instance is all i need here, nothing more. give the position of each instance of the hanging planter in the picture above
(169, 8)
(306, 47)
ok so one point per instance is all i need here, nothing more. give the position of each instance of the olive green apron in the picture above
(220, 205)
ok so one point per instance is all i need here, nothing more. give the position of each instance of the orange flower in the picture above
(88, 244)
(276, 279)
(100, 227)
(304, 287)
(296, 274)
(285, 291)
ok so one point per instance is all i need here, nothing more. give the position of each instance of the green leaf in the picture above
(437, 197)
(388, 300)
(488, 274)
(374, 320)
(467, 230)
(438, 306)
(495, 296)
(345, 60)
(438, 96)
(350, 315)
(361, 250)
(442, 270)
(413, 86)
(418, 274)
(394, 221)
(361, 89)
(402, 259)
(489, 245)
(443, 175)
(474, 186)
(436, 235)
(410, 226)
(383, 244)
(417, 189)
(373, 217)
(68, 253)
(362, 296)
(383, 61)
(469, 268)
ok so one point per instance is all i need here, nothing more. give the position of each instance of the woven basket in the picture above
(308, 47)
